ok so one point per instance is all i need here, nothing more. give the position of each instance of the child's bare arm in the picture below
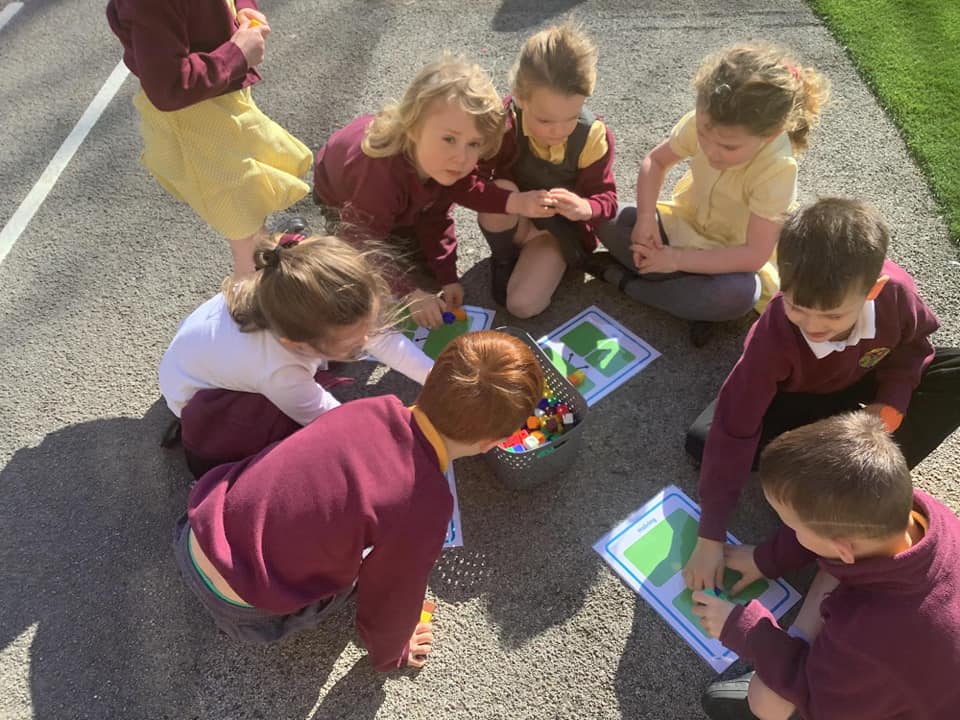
(653, 170)
(762, 236)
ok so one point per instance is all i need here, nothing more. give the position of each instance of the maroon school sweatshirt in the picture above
(776, 358)
(378, 196)
(288, 526)
(889, 648)
(180, 49)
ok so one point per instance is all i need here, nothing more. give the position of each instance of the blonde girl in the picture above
(560, 155)
(205, 140)
(242, 369)
(388, 176)
(708, 254)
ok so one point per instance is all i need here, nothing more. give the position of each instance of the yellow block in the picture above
(426, 614)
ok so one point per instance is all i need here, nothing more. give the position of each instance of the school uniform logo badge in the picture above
(871, 358)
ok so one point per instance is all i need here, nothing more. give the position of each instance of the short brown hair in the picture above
(449, 79)
(304, 288)
(482, 387)
(762, 88)
(830, 248)
(844, 477)
(560, 58)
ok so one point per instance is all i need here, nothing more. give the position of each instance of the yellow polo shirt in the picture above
(711, 208)
(593, 149)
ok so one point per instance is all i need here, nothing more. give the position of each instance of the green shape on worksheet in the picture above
(662, 552)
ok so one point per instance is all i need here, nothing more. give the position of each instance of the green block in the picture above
(684, 601)
(663, 551)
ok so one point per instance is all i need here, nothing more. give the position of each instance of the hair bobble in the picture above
(271, 257)
(793, 70)
(289, 240)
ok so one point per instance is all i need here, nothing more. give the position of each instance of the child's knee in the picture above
(524, 304)
(765, 703)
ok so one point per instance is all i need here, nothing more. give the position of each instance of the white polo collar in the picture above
(864, 329)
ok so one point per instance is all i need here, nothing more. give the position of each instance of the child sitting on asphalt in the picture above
(356, 502)
(881, 639)
(708, 255)
(556, 146)
(848, 330)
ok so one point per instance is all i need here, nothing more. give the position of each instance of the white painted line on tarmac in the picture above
(8, 12)
(38, 193)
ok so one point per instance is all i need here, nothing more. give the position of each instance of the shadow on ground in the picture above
(87, 568)
(521, 14)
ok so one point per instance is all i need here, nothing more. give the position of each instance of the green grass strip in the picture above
(908, 51)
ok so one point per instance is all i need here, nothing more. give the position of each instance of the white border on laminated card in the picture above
(601, 384)
(778, 598)
(455, 529)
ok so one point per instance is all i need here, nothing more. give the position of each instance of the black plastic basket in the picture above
(524, 470)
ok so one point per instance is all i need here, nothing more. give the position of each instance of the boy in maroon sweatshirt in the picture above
(848, 330)
(275, 543)
(880, 637)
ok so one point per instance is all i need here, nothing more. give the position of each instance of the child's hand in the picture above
(645, 234)
(426, 309)
(252, 15)
(664, 260)
(571, 206)
(740, 558)
(531, 204)
(712, 611)
(704, 569)
(251, 41)
(452, 295)
(420, 645)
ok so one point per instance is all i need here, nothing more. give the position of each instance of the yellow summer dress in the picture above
(223, 157)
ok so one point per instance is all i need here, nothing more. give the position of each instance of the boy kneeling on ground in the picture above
(878, 636)
(354, 503)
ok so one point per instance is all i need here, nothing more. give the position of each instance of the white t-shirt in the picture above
(209, 351)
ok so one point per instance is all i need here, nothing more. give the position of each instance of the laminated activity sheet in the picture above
(454, 532)
(433, 341)
(649, 549)
(602, 348)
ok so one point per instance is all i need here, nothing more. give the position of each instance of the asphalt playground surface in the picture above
(94, 621)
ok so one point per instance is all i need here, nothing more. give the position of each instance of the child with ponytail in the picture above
(709, 254)
(244, 368)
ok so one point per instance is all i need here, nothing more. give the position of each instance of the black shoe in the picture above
(702, 332)
(500, 272)
(294, 226)
(597, 264)
(727, 699)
